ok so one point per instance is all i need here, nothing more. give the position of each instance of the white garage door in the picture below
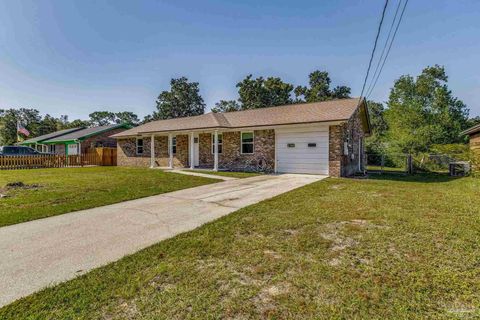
(302, 150)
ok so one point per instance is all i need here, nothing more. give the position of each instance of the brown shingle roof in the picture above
(334, 110)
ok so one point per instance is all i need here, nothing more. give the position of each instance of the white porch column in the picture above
(152, 151)
(170, 151)
(192, 150)
(215, 162)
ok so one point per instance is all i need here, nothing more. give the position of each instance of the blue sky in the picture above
(75, 57)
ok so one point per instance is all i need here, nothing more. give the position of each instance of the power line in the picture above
(389, 48)
(385, 46)
(374, 47)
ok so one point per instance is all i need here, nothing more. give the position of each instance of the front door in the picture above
(196, 152)
(72, 149)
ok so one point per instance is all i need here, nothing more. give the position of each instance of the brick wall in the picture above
(231, 157)
(102, 139)
(127, 157)
(341, 164)
(335, 145)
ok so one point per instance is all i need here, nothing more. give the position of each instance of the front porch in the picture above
(214, 150)
(183, 150)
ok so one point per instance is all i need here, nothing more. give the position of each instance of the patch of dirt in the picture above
(21, 185)
(290, 232)
(17, 185)
(272, 254)
(160, 285)
(462, 310)
(124, 310)
(336, 233)
(337, 187)
(264, 301)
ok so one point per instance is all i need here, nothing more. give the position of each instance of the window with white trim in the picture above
(246, 142)
(174, 145)
(139, 146)
(220, 143)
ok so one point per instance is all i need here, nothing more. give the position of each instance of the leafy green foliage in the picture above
(262, 93)
(375, 144)
(319, 89)
(183, 100)
(226, 106)
(30, 119)
(422, 112)
(103, 118)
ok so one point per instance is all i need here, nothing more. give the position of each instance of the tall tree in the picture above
(472, 122)
(78, 123)
(261, 93)
(101, 118)
(376, 142)
(422, 111)
(183, 100)
(126, 117)
(50, 124)
(226, 106)
(30, 119)
(319, 90)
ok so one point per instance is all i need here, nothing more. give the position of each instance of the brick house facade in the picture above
(341, 146)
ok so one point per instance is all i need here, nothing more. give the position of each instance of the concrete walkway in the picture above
(201, 174)
(39, 253)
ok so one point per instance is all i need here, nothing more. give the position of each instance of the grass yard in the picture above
(391, 247)
(232, 174)
(49, 192)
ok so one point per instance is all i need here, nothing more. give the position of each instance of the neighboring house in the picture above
(474, 134)
(78, 140)
(316, 138)
(37, 142)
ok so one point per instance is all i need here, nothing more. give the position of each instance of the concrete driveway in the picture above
(40, 253)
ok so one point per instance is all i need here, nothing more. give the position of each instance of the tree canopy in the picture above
(422, 111)
(183, 100)
(262, 93)
(319, 89)
(102, 118)
(227, 106)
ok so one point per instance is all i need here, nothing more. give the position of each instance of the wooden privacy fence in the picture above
(92, 158)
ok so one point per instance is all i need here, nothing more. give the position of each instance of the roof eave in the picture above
(142, 133)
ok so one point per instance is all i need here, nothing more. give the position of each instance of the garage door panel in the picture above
(291, 161)
(305, 134)
(301, 158)
(290, 158)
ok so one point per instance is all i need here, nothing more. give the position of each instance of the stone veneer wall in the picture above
(340, 164)
(127, 157)
(231, 157)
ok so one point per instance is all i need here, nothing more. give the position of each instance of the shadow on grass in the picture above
(417, 177)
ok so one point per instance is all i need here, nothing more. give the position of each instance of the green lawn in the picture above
(232, 174)
(50, 192)
(391, 247)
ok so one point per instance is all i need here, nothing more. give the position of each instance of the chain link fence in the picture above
(399, 163)
(396, 163)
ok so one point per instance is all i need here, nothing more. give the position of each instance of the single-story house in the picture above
(474, 134)
(77, 140)
(314, 138)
